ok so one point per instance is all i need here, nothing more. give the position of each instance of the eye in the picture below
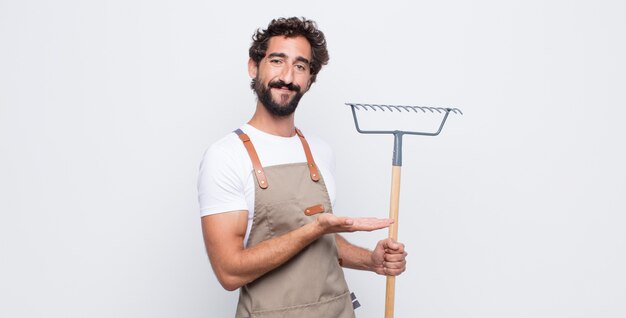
(301, 67)
(276, 61)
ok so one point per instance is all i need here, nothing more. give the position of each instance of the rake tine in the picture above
(405, 108)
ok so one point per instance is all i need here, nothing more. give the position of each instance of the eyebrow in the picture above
(302, 59)
(283, 55)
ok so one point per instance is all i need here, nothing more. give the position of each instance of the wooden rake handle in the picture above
(393, 234)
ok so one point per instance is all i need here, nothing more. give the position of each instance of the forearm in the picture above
(235, 266)
(246, 265)
(353, 256)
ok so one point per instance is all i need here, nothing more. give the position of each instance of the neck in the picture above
(266, 122)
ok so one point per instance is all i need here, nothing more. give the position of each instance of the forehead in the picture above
(292, 47)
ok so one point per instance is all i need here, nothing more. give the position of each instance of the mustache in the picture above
(281, 84)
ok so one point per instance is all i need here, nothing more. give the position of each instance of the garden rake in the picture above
(396, 165)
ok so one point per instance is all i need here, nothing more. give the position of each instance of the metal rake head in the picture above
(402, 108)
(397, 134)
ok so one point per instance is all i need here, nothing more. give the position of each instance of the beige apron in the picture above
(311, 284)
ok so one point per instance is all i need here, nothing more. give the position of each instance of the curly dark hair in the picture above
(292, 27)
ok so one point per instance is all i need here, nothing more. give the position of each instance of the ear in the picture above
(253, 68)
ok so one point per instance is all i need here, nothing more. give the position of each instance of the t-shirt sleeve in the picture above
(220, 182)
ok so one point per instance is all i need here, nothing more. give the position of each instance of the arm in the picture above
(388, 257)
(235, 266)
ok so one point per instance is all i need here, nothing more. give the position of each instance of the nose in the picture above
(287, 75)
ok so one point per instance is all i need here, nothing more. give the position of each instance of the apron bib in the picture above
(311, 284)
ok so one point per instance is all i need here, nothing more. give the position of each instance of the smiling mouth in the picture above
(280, 85)
(282, 88)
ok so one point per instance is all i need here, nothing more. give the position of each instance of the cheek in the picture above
(302, 79)
(305, 84)
(270, 75)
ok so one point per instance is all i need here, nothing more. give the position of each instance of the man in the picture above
(266, 195)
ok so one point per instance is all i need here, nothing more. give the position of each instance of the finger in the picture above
(394, 265)
(394, 257)
(370, 224)
(393, 272)
(392, 246)
(374, 220)
(393, 269)
(400, 250)
(340, 221)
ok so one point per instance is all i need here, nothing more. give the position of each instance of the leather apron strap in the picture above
(315, 176)
(256, 163)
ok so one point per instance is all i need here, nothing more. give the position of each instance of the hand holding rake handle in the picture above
(395, 172)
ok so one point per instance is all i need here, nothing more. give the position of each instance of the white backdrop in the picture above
(516, 210)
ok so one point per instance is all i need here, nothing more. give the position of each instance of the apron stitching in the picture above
(270, 228)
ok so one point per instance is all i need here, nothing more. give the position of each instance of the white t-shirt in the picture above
(226, 182)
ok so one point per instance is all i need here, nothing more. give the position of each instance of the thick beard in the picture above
(264, 95)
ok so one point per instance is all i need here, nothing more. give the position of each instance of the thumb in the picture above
(390, 244)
